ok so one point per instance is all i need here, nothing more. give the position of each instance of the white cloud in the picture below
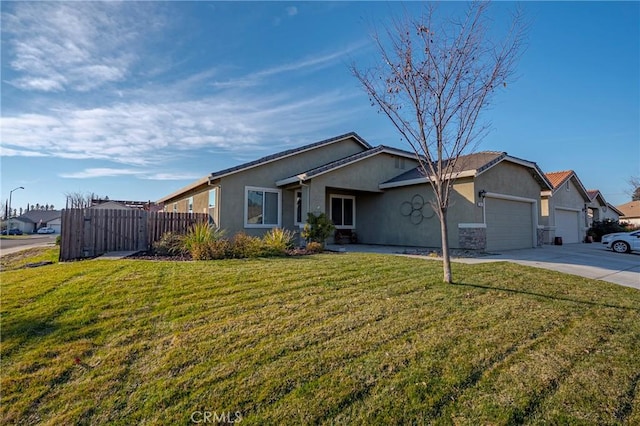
(145, 134)
(292, 11)
(58, 46)
(100, 172)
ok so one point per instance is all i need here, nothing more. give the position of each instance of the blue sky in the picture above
(134, 100)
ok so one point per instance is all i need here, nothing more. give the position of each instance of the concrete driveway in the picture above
(585, 260)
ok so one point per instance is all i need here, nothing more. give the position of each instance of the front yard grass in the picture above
(350, 338)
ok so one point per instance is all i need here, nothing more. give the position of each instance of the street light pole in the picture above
(9, 218)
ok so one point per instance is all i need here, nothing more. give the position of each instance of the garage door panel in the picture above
(567, 225)
(509, 224)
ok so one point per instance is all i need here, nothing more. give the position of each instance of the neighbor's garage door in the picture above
(509, 224)
(567, 226)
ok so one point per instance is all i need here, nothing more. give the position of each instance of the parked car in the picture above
(46, 230)
(12, 232)
(622, 242)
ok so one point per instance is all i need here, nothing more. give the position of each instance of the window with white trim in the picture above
(262, 207)
(190, 208)
(343, 211)
(297, 206)
(175, 207)
(213, 193)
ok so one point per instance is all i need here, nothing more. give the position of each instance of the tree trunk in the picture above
(446, 261)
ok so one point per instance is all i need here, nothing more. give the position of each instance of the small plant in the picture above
(198, 240)
(170, 244)
(244, 246)
(314, 247)
(277, 241)
(59, 240)
(318, 228)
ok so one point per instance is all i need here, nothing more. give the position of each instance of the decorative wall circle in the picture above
(415, 209)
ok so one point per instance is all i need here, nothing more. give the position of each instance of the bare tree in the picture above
(634, 182)
(434, 80)
(79, 200)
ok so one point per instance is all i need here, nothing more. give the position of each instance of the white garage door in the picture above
(567, 226)
(509, 224)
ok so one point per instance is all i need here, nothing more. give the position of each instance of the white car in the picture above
(46, 230)
(622, 242)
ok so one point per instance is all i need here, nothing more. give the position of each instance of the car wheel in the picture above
(620, 247)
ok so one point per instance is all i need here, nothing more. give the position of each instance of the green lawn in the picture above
(350, 338)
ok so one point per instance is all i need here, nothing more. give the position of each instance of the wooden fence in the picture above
(92, 232)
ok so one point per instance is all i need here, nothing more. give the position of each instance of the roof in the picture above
(557, 179)
(470, 165)
(287, 153)
(615, 209)
(630, 209)
(36, 216)
(344, 162)
(264, 160)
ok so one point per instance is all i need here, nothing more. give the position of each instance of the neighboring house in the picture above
(598, 209)
(110, 205)
(376, 191)
(124, 205)
(33, 220)
(630, 213)
(564, 208)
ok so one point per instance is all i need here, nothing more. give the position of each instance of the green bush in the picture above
(59, 240)
(607, 226)
(277, 241)
(318, 228)
(170, 244)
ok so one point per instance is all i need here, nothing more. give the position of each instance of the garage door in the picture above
(509, 224)
(567, 226)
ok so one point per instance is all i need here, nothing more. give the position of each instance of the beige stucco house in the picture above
(599, 210)
(377, 192)
(630, 213)
(564, 208)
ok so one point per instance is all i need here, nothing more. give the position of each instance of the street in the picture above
(16, 243)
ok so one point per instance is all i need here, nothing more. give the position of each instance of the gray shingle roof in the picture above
(35, 216)
(287, 153)
(478, 162)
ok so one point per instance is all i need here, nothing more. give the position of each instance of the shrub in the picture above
(198, 240)
(169, 244)
(314, 247)
(243, 246)
(277, 241)
(59, 240)
(607, 226)
(318, 228)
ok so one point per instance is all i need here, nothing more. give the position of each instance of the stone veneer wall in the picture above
(540, 236)
(472, 237)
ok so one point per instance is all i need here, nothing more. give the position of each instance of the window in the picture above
(212, 197)
(343, 211)
(566, 186)
(400, 163)
(262, 207)
(175, 207)
(190, 205)
(298, 208)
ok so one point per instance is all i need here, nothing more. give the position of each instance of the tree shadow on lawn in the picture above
(546, 296)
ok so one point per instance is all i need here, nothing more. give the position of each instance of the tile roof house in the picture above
(33, 220)
(564, 208)
(599, 209)
(630, 212)
(377, 191)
